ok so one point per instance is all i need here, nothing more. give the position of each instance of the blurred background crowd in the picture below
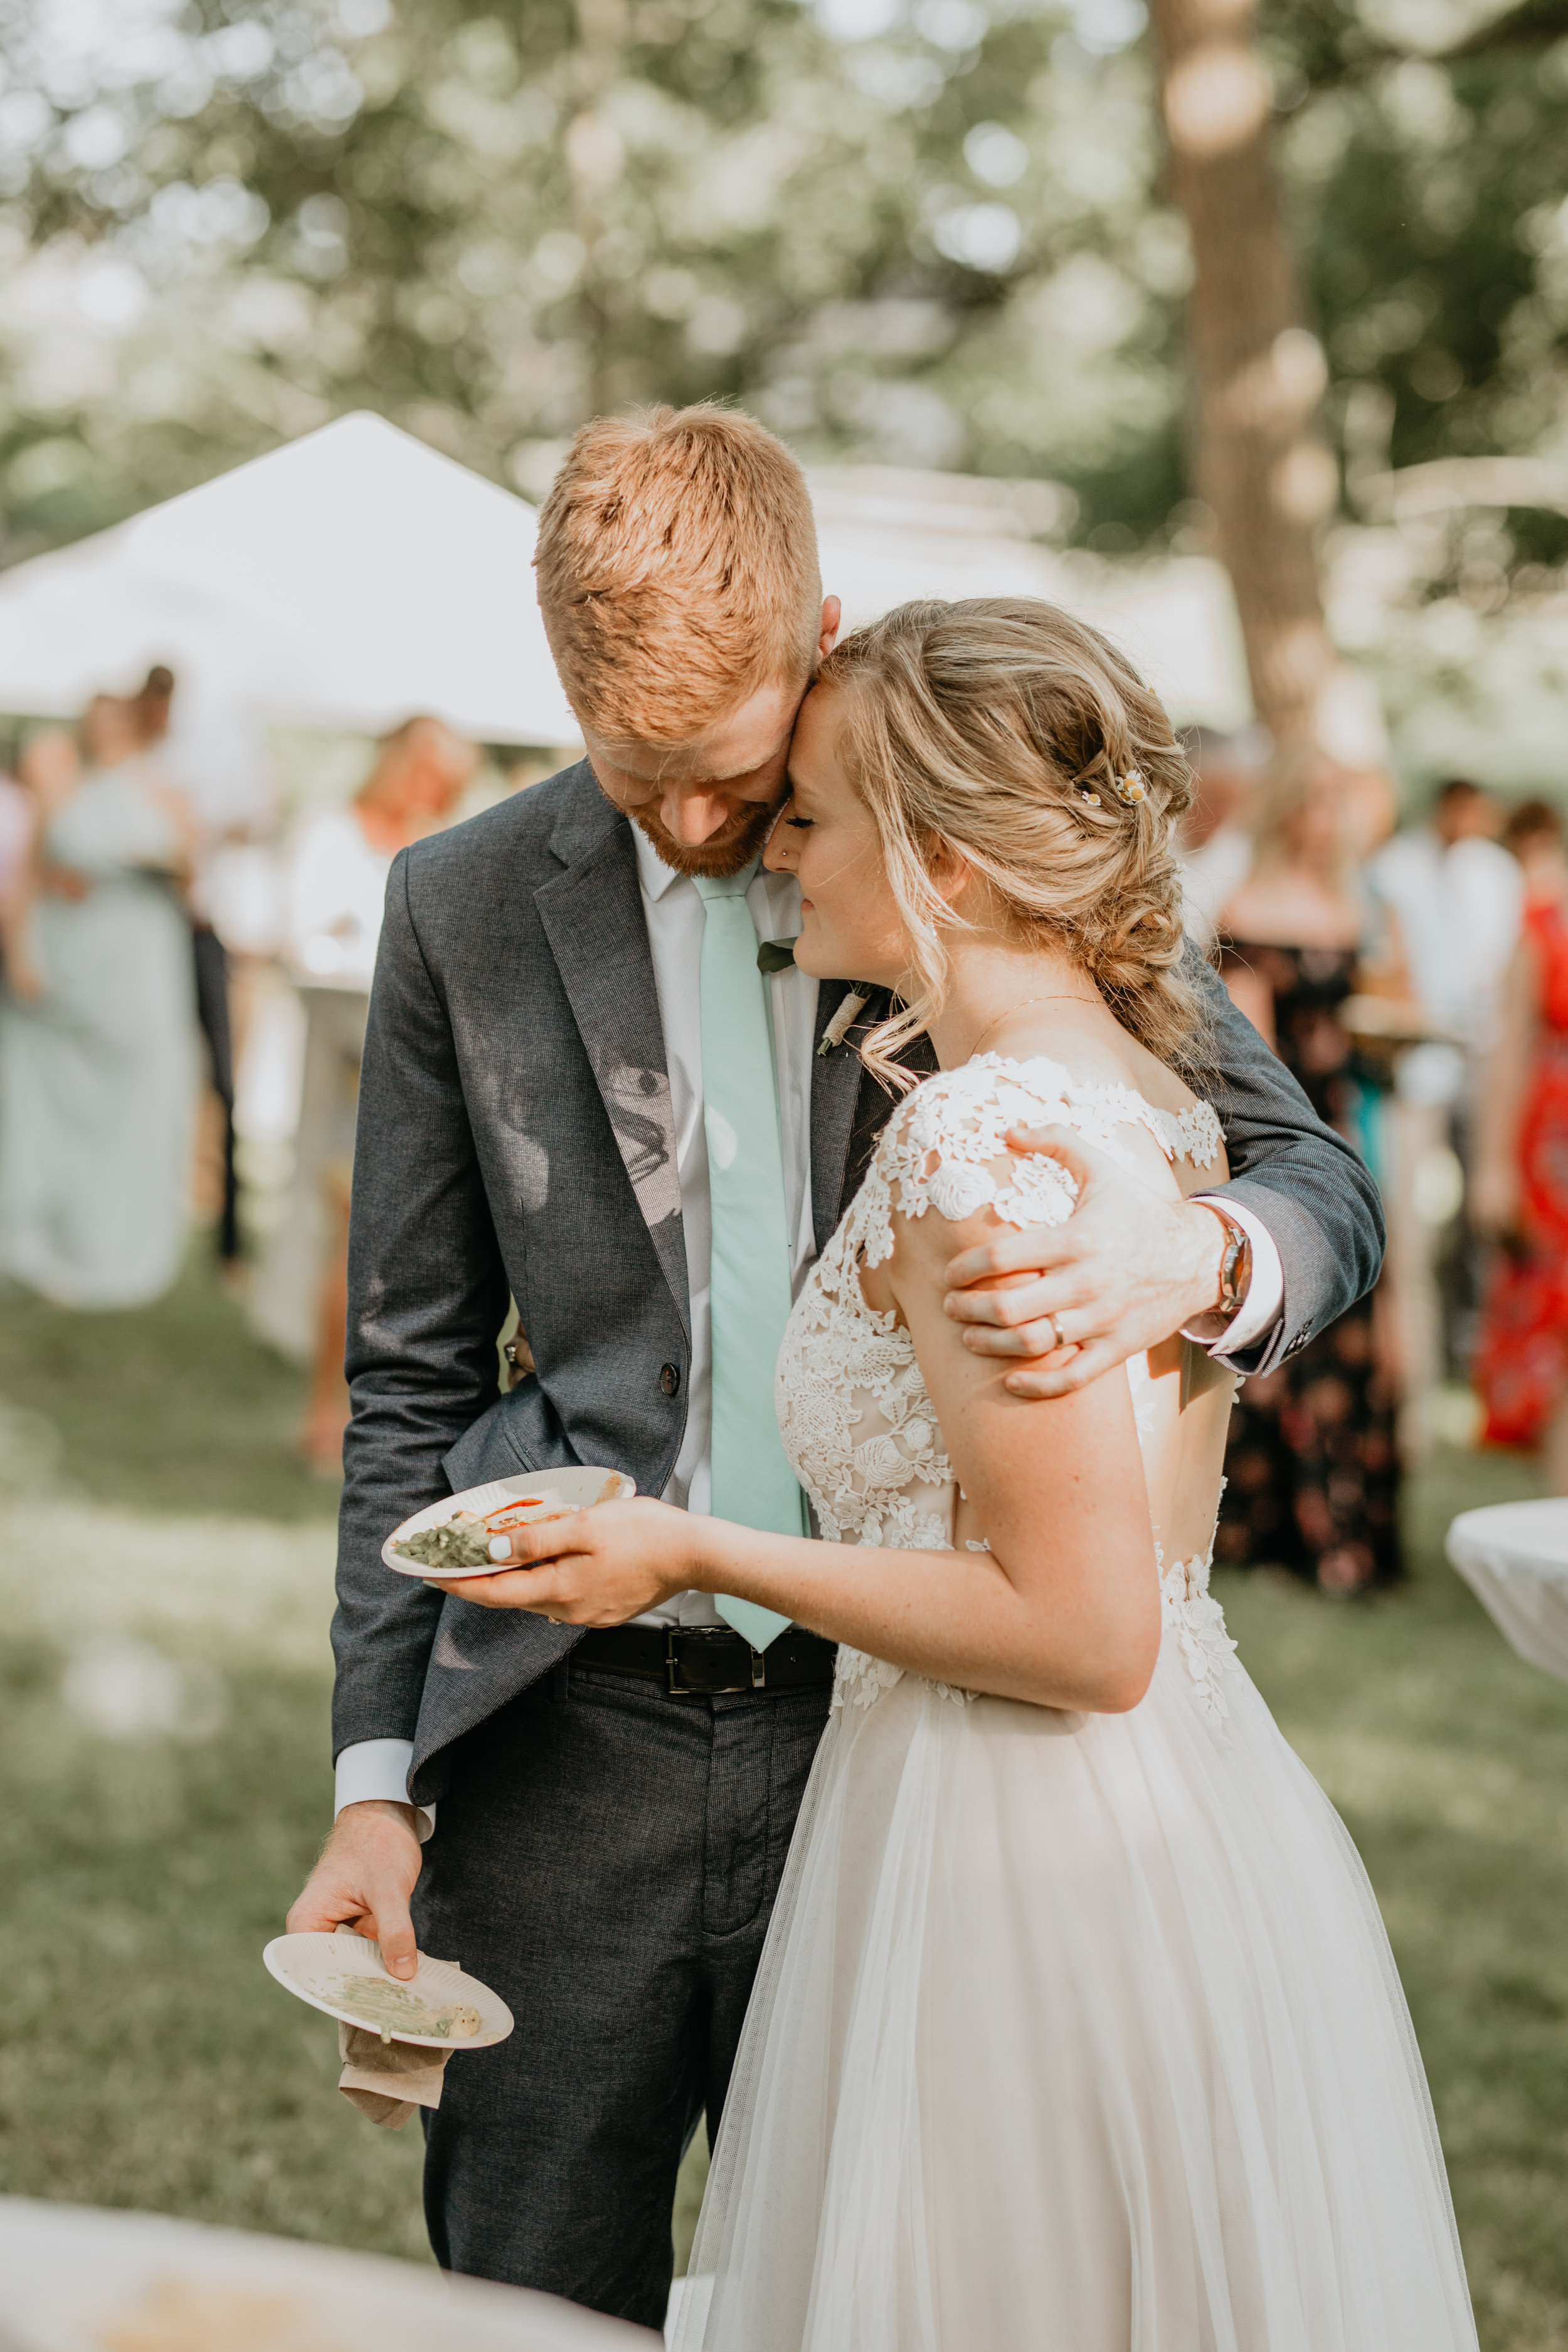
(1241, 326)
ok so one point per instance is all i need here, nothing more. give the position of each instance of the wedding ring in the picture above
(1055, 1333)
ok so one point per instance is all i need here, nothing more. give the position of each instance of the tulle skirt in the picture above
(1074, 2034)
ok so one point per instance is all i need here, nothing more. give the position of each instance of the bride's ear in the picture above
(949, 871)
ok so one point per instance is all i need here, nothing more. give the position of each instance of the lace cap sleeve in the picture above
(942, 1147)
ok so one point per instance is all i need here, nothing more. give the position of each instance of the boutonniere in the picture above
(778, 955)
(854, 1004)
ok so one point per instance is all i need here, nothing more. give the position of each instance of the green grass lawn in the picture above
(161, 1555)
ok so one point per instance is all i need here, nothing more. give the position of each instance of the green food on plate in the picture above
(393, 2009)
(461, 1542)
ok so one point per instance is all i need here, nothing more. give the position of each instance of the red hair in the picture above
(677, 571)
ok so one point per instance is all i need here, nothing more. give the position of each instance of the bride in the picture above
(1076, 2029)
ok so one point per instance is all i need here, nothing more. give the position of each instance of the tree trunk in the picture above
(595, 160)
(1259, 464)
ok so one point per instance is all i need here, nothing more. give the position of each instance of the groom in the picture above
(594, 1080)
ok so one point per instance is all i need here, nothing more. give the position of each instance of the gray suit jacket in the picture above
(516, 1135)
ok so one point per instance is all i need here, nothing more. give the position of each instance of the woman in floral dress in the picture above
(1313, 1465)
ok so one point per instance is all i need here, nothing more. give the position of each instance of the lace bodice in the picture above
(858, 1423)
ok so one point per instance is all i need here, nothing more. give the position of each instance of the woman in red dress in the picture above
(1520, 1192)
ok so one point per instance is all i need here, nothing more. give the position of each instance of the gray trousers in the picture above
(608, 1858)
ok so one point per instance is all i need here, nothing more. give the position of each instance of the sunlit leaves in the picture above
(925, 231)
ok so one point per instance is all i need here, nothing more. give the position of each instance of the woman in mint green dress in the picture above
(98, 1045)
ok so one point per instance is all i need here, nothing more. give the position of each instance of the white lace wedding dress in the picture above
(1073, 2032)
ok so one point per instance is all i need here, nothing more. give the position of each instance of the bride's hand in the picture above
(600, 1567)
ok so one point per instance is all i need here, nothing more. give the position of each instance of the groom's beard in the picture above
(728, 851)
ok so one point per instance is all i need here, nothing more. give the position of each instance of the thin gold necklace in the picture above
(1023, 1002)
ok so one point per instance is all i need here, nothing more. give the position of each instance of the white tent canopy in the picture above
(348, 579)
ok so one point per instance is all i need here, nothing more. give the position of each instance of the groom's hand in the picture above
(1125, 1270)
(363, 1879)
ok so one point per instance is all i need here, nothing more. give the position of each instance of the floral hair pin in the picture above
(1129, 789)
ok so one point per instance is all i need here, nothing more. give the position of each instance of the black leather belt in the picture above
(707, 1663)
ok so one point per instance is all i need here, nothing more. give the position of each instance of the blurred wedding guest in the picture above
(1457, 898)
(1311, 1459)
(46, 775)
(15, 835)
(152, 707)
(19, 814)
(1217, 838)
(1518, 1193)
(336, 883)
(97, 1030)
(1533, 837)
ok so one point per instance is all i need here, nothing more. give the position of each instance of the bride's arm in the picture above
(1064, 1610)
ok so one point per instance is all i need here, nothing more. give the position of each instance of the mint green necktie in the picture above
(749, 1293)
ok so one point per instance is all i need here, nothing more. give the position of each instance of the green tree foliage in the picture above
(1430, 201)
(908, 231)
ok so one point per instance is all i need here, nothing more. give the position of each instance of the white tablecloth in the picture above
(73, 2279)
(1514, 1557)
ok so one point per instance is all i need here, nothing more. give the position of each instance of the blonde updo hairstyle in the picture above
(1000, 727)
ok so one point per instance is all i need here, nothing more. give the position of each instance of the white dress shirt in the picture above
(672, 907)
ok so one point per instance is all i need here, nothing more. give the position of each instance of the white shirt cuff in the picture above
(1265, 1301)
(373, 1769)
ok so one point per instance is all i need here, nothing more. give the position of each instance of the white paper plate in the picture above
(320, 1969)
(554, 1492)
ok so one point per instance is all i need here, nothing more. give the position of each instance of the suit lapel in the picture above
(592, 918)
(836, 1079)
(849, 1108)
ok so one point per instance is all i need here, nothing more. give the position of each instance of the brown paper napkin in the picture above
(387, 2080)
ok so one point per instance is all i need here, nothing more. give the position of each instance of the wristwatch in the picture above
(1235, 1267)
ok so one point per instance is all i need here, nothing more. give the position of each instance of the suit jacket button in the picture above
(669, 1378)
